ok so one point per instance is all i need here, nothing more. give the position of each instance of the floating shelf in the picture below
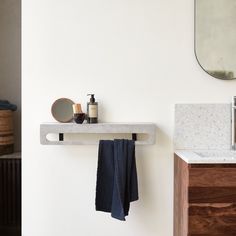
(60, 129)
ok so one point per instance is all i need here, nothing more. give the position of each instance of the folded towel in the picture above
(117, 183)
(5, 105)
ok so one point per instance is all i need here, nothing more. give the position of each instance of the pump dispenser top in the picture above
(92, 99)
(92, 110)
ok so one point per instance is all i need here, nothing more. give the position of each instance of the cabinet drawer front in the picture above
(212, 219)
(212, 194)
(212, 177)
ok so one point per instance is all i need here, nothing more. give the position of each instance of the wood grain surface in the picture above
(209, 207)
(212, 177)
(180, 197)
(212, 194)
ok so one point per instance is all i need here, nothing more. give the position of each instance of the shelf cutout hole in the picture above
(52, 137)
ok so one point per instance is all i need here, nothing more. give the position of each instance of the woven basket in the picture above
(6, 132)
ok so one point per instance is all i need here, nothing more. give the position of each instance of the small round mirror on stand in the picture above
(62, 110)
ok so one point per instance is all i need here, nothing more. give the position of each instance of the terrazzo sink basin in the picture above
(226, 154)
(218, 156)
(208, 156)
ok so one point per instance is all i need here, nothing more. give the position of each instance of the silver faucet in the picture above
(233, 122)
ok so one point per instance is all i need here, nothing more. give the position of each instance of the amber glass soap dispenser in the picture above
(92, 110)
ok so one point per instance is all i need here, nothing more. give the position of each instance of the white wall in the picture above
(138, 58)
(10, 60)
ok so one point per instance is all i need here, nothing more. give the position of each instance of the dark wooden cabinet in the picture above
(10, 197)
(204, 199)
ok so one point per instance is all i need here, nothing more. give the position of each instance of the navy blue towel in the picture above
(117, 183)
(5, 105)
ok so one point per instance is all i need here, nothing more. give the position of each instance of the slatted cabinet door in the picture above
(10, 197)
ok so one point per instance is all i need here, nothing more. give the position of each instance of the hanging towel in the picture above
(117, 183)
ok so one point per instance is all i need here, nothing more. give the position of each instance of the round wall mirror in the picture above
(215, 37)
(62, 110)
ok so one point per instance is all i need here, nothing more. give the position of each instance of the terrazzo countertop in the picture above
(203, 133)
(207, 156)
(15, 155)
(202, 126)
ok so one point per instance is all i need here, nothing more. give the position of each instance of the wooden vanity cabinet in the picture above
(204, 199)
(10, 196)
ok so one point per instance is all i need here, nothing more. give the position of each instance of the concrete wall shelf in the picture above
(135, 129)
